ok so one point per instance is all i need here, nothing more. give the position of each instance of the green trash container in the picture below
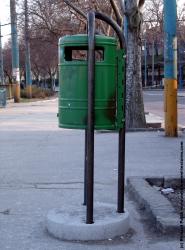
(73, 82)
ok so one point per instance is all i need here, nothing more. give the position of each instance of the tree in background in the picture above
(51, 19)
(7, 59)
(153, 33)
(135, 116)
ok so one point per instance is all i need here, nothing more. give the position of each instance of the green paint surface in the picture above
(73, 79)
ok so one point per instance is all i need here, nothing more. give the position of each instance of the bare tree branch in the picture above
(117, 13)
(122, 5)
(109, 27)
(141, 3)
(80, 12)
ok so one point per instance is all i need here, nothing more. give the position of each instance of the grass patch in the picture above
(37, 93)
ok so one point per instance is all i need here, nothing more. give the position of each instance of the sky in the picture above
(5, 17)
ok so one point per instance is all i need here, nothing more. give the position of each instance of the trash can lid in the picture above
(82, 39)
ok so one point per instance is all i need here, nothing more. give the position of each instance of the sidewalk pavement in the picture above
(154, 119)
(180, 92)
(42, 168)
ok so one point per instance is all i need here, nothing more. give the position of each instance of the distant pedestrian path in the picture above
(39, 115)
(154, 103)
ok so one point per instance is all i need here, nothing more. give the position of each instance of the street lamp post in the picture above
(27, 54)
(15, 52)
(180, 69)
(145, 51)
(1, 60)
(153, 64)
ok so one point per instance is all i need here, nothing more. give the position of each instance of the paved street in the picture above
(154, 104)
(41, 168)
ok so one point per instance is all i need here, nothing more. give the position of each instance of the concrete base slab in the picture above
(69, 223)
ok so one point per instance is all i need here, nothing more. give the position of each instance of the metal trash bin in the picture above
(2, 97)
(73, 97)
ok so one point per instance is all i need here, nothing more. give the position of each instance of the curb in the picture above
(159, 208)
(145, 130)
(181, 129)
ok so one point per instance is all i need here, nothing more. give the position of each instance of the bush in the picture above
(37, 92)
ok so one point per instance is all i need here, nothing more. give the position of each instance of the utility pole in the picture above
(153, 63)
(1, 60)
(170, 67)
(125, 28)
(27, 53)
(145, 51)
(180, 76)
(180, 70)
(15, 52)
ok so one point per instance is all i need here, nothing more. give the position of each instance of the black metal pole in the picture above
(121, 171)
(85, 170)
(115, 26)
(89, 175)
(90, 123)
(121, 150)
(121, 158)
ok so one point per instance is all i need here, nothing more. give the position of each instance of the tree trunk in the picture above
(135, 116)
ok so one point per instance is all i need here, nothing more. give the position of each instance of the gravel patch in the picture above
(175, 199)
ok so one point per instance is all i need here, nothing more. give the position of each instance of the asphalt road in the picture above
(154, 103)
(42, 167)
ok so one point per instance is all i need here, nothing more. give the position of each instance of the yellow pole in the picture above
(29, 91)
(170, 67)
(170, 107)
(17, 92)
